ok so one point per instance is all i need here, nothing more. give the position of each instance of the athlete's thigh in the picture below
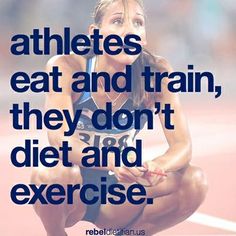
(111, 215)
(168, 185)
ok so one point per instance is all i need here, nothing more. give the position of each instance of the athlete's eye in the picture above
(118, 21)
(138, 23)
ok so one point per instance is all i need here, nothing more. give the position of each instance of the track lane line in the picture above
(212, 221)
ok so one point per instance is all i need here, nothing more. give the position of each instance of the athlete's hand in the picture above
(128, 174)
(153, 174)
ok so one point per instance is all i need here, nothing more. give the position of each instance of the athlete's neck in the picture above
(107, 64)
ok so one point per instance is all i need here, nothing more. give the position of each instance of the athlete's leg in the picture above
(113, 215)
(56, 218)
(173, 208)
(174, 200)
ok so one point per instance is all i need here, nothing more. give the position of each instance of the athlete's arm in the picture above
(179, 152)
(68, 65)
(63, 100)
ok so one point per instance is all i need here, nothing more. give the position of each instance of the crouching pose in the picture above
(175, 196)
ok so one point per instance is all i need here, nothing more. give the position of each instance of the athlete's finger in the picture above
(125, 173)
(135, 171)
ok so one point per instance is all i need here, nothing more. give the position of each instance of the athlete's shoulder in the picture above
(71, 61)
(67, 65)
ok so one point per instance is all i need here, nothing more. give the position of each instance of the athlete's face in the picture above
(123, 20)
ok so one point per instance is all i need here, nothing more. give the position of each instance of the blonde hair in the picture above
(101, 6)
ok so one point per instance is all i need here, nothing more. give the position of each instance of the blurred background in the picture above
(202, 33)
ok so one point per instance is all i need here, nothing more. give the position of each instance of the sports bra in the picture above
(107, 137)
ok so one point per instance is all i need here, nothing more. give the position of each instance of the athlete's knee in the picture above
(56, 175)
(198, 181)
(194, 187)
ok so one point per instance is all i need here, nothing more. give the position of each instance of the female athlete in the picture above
(177, 195)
